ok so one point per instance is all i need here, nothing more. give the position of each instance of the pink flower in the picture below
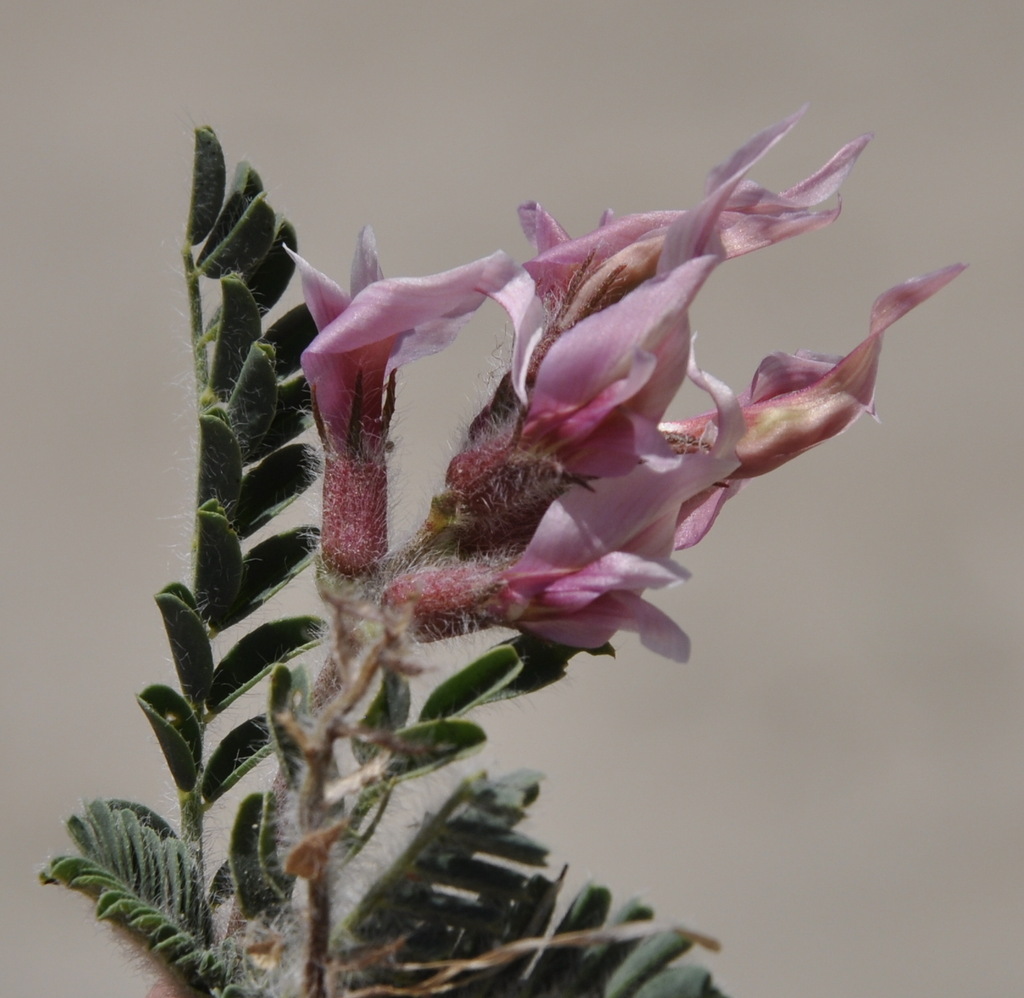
(580, 579)
(752, 217)
(601, 375)
(570, 492)
(604, 384)
(593, 552)
(593, 372)
(795, 402)
(363, 339)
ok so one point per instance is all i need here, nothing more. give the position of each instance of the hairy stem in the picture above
(195, 310)
(191, 808)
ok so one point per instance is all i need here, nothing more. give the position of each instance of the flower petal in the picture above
(365, 264)
(540, 227)
(324, 299)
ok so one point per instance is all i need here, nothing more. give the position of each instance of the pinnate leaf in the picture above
(144, 878)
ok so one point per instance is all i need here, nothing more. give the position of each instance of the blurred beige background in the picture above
(833, 785)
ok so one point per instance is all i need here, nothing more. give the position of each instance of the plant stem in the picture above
(191, 807)
(195, 309)
(312, 814)
(191, 803)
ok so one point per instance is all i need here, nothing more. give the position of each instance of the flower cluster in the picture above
(570, 490)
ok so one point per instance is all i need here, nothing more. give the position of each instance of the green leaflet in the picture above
(589, 910)
(254, 655)
(649, 957)
(218, 562)
(235, 328)
(293, 415)
(253, 400)
(220, 461)
(243, 231)
(433, 744)
(388, 711)
(289, 694)
(680, 982)
(178, 731)
(260, 882)
(269, 567)
(270, 279)
(208, 179)
(245, 245)
(190, 646)
(242, 749)
(273, 485)
(479, 682)
(289, 336)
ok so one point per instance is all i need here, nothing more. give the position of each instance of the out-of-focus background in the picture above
(833, 785)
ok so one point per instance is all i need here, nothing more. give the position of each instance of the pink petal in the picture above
(615, 570)
(600, 348)
(896, 302)
(602, 619)
(697, 515)
(744, 233)
(365, 264)
(729, 173)
(818, 187)
(324, 299)
(540, 227)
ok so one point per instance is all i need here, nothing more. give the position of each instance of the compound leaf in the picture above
(145, 879)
